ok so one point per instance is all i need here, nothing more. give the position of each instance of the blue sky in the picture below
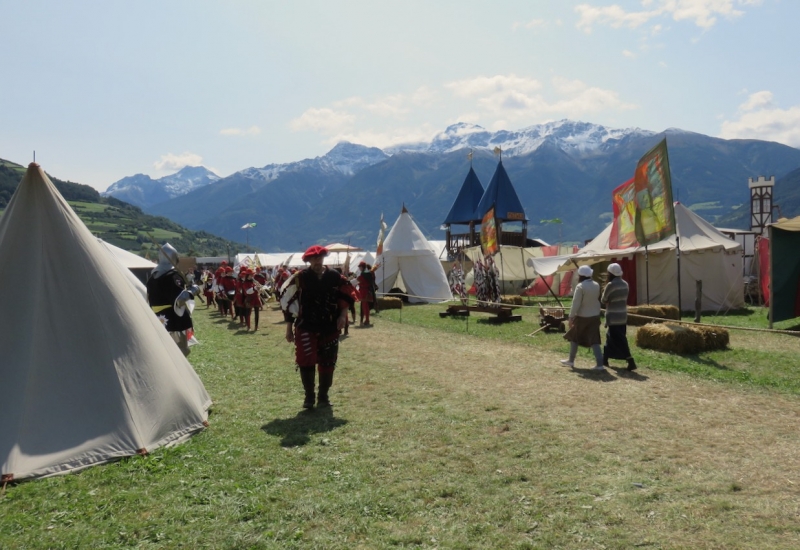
(103, 90)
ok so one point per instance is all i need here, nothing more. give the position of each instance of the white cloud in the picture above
(381, 140)
(629, 54)
(703, 13)
(760, 118)
(172, 162)
(483, 85)
(324, 120)
(252, 131)
(532, 24)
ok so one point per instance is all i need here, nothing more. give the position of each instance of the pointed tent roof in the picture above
(408, 253)
(463, 209)
(89, 373)
(502, 195)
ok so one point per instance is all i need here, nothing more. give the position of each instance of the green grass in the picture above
(419, 453)
(754, 359)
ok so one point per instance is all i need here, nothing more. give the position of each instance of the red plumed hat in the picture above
(315, 250)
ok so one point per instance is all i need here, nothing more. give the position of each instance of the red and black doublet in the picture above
(320, 300)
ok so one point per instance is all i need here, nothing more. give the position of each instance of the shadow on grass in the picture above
(706, 362)
(623, 372)
(595, 376)
(297, 430)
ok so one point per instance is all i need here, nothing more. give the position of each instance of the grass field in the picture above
(451, 433)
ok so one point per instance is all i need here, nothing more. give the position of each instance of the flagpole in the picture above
(647, 273)
(678, 252)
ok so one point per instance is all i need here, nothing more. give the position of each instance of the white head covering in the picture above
(167, 260)
(615, 270)
(585, 271)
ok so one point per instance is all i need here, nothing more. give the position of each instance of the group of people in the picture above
(317, 301)
(240, 295)
(584, 318)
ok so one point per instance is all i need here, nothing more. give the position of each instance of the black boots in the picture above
(325, 382)
(631, 364)
(307, 377)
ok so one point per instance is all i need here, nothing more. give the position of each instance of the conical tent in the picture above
(406, 251)
(88, 372)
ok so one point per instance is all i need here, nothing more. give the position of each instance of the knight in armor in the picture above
(169, 297)
(319, 300)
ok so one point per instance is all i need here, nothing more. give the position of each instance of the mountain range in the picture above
(562, 170)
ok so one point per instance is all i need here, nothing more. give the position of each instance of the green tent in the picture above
(784, 259)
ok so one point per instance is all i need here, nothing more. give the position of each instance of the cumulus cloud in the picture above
(512, 98)
(498, 84)
(760, 118)
(703, 13)
(252, 131)
(494, 101)
(532, 24)
(172, 162)
(323, 120)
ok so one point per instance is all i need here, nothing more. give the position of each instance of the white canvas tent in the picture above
(706, 255)
(88, 372)
(406, 251)
(138, 268)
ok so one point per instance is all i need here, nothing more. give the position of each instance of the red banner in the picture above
(623, 229)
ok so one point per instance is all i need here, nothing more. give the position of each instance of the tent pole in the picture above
(678, 252)
(502, 269)
(647, 274)
(551, 291)
(524, 271)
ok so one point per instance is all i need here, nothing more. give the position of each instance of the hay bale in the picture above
(672, 338)
(714, 337)
(659, 311)
(511, 299)
(389, 302)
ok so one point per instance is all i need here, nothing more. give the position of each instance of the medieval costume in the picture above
(615, 298)
(319, 299)
(584, 319)
(366, 291)
(170, 299)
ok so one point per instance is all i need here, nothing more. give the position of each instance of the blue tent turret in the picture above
(502, 195)
(463, 209)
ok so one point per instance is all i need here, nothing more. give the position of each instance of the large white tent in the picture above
(88, 372)
(706, 255)
(408, 255)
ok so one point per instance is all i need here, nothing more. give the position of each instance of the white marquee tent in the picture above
(88, 372)
(706, 255)
(408, 254)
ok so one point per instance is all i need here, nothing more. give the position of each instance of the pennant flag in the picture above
(248, 225)
(381, 233)
(655, 213)
(623, 232)
(489, 233)
(497, 150)
(258, 260)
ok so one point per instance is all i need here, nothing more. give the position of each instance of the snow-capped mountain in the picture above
(345, 158)
(570, 136)
(144, 191)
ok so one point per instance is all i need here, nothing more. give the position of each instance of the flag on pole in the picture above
(655, 213)
(623, 231)
(489, 233)
(248, 225)
(381, 233)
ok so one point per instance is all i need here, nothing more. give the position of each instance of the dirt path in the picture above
(702, 435)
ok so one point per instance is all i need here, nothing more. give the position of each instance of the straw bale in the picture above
(659, 311)
(672, 338)
(511, 299)
(389, 302)
(714, 337)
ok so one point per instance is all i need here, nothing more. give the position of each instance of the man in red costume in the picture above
(319, 300)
